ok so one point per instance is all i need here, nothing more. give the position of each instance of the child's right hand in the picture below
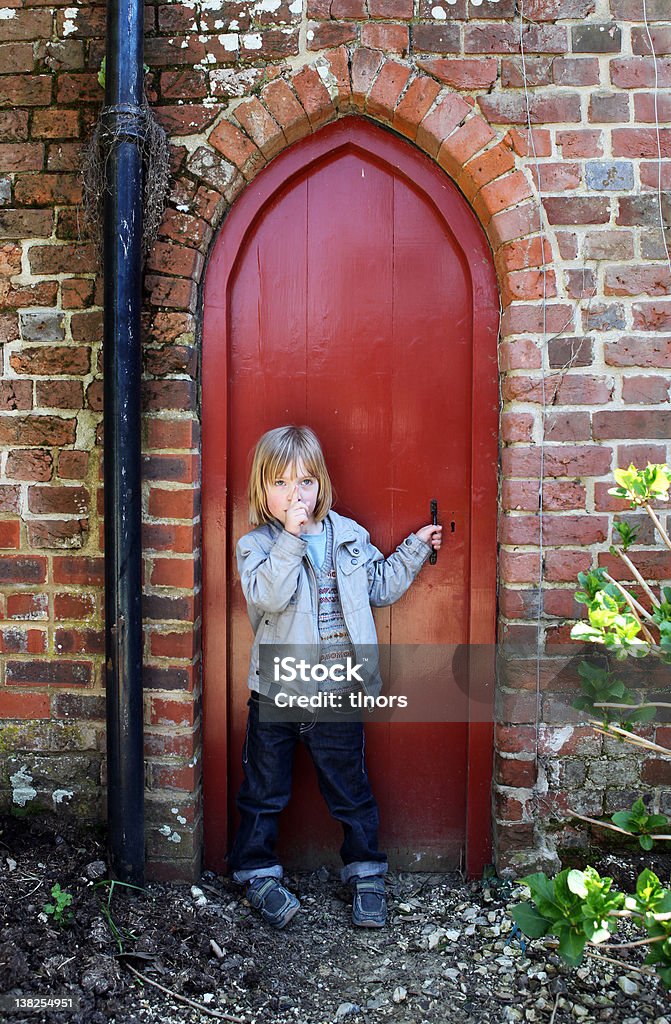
(295, 517)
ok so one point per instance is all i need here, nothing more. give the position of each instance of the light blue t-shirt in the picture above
(316, 547)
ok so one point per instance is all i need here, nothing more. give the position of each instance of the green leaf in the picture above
(665, 976)
(540, 885)
(576, 883)
(623, 477)
(625, 820)
(530, 921)
(663, 904)
(649, 891)
(581, 631)
(647, 881)
(546, 894)
(646, 842)
(597, 931)
(642, 714)
(571, 946)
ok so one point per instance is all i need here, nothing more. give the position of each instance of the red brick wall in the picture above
(572, 214)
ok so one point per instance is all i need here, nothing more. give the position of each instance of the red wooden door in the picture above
(351, 289)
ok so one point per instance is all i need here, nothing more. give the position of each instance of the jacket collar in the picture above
(343, 528)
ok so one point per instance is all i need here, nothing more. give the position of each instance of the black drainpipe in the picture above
(124, 126)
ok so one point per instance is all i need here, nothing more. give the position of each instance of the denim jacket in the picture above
(280, 587)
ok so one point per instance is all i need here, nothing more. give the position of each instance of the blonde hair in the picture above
(275, 451)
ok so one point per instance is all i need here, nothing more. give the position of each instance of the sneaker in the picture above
(369, 907)
(275, 904)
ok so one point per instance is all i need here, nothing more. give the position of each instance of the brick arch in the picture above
(481, 161)
(442, 123)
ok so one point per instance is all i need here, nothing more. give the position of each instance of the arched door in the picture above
(351, 288)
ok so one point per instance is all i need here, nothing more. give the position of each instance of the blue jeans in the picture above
(337, 750)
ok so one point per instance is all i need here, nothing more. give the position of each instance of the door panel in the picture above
(345, 301)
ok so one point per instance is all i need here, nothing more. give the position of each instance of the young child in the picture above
(310, 576)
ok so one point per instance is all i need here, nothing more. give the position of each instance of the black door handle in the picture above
(433, 557)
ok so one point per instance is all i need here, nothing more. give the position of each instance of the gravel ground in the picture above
(449, 953)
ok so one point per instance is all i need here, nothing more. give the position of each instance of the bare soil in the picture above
(449, 952)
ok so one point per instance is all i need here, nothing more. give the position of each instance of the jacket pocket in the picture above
(267, 631)
(351, 559)
(353, 574)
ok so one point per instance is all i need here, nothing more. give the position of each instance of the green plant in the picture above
(581, 909)
(59, 908)
(626, 533)
(662, 618)
(616, 618)
(575, 905)
(639, 823)
(607, 698)
(610, 623)
(118, 933)
(641, 486)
